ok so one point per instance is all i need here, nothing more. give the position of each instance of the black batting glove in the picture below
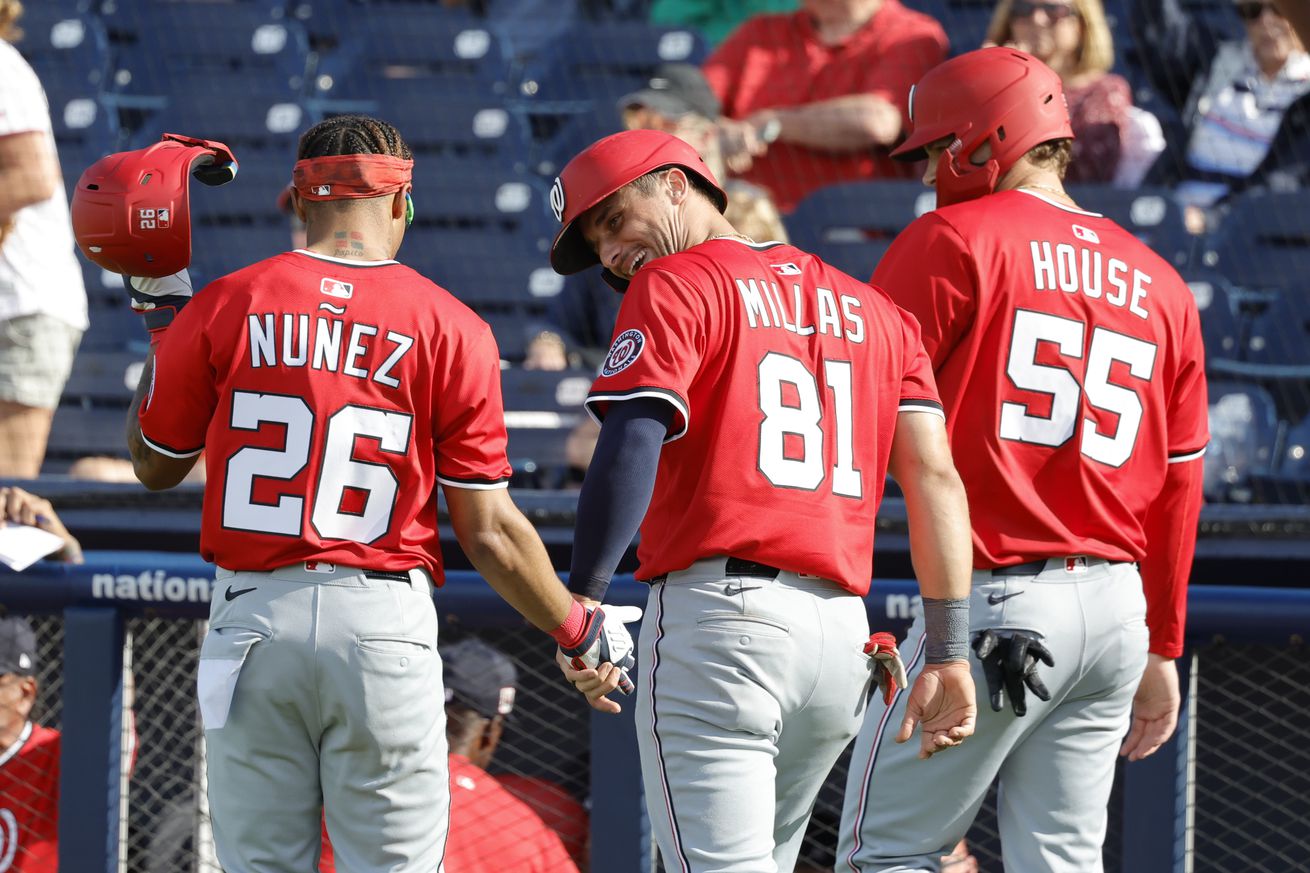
(1009, 664)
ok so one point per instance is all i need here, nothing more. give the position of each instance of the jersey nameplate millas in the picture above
(767, 305)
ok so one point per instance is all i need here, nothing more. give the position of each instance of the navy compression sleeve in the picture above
(617, 490)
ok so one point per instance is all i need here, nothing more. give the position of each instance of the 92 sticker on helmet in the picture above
(626, 349)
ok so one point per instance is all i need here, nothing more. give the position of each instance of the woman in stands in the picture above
(1073, 38)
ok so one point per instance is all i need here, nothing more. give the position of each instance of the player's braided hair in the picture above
(352, 135)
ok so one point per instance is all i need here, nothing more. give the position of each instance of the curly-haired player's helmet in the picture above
(131, 211)
(605, 167)
(998, 95)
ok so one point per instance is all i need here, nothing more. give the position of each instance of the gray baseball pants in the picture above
(750, 688)
(1056, 764)
(321, 692)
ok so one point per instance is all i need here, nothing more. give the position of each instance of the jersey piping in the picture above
(1188, 456)
(474, 484)
(660, 393)
(1060, 206)
(171, 452)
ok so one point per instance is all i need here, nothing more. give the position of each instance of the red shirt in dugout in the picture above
(778, 62)
(29, 802)
(330, 398)
(1064, 446)
(787, 376)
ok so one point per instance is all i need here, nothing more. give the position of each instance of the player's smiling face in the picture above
(631, 228)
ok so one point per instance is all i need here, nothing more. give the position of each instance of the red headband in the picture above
(349, 177)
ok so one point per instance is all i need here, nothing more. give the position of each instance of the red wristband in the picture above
(570, 633)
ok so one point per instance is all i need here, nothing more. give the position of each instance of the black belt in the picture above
(1029, 568)
(386, 574)
(736, 567)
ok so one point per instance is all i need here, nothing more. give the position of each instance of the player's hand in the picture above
(942, 703)
(605, 640)
(160, 300)
(1009, 662)
(1155, 709)
(22, 507)
(594, 683)
(887, 664)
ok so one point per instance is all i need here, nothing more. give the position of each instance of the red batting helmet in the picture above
(132, 211)
(998, 95)
(605, 167)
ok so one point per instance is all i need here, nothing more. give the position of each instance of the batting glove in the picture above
(606, 640)
(160, 300)
(886, 661)
(1010, 663)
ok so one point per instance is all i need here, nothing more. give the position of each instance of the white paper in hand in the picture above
(22, 545)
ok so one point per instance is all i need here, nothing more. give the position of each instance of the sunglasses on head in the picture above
(1029, 8)
(1253, 11)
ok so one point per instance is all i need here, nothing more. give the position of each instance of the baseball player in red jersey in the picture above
(1071, 368)
(331, 389)
(29, 760)
(752, 403)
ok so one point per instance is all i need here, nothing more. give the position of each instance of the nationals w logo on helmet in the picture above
(557, 200)
(626, 349)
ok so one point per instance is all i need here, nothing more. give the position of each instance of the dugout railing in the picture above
(1230, 792)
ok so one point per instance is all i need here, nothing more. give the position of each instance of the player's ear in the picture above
(677, 184)
(400, 203)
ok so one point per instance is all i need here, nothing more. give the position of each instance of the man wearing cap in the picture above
(491, 830)
(818, 95)
(678, 100)
(29, 760)
(752, 402)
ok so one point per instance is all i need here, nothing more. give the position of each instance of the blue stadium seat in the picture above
(545, 390)
(601, 61)
(68, 49)
(1281, 334)
(158, 41)
(1264, 242)
(479, 193)
(1243, 432)
(104, 375)
(1150, 214)
(266, 116)
(461, 126)
(850, 225)
(1294, 463)
(217, 250)
(485, 269)
(1220, 325)
(572, 134)
(402, 52)
(965, 22)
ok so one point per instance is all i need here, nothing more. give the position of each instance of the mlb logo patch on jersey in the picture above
(788, 269)
(626, 349)
(336, 288)
(320, 567)
(1086, 234)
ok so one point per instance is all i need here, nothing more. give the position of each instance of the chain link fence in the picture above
(1251, 760)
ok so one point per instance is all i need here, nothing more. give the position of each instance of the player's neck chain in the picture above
(1060, 191)
(741, 236)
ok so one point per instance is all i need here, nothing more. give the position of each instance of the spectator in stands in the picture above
(42, 300)
(818, 96)
(29, 759)
(558, 809)
(715, 19)
(491, 830)
(21, 507)
(677, 100)
(546, 351)
(1073, 38)
(1244, 104)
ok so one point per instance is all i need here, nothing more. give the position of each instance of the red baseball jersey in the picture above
(330, 397)
(787, 376)
(29, 802)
